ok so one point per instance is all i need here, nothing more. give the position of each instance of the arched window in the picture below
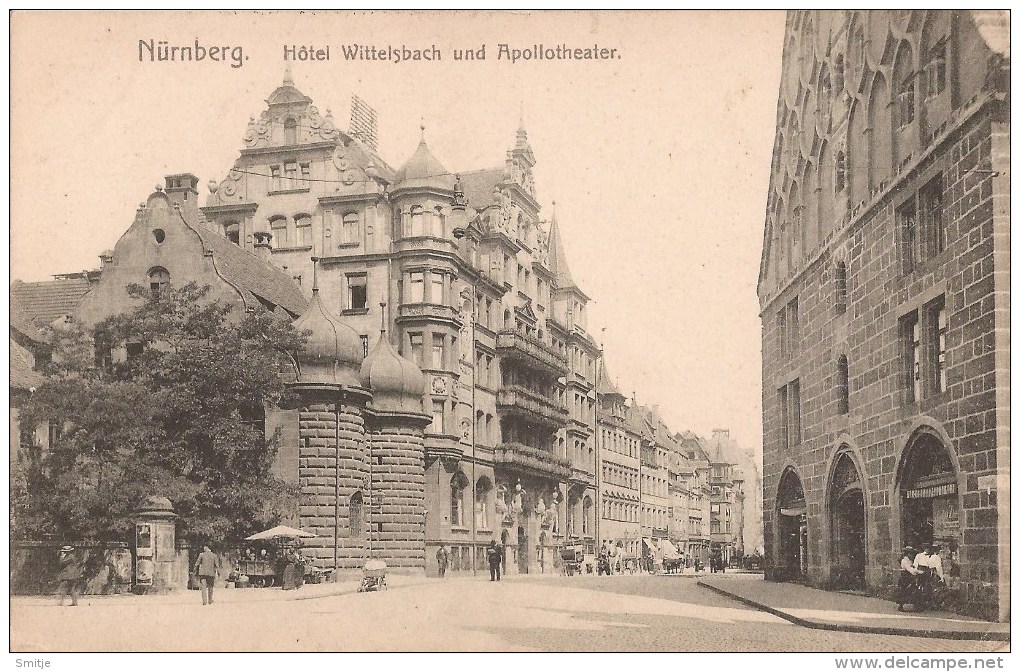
(290, 132)
(841, 287)
(842, 386)
(417, 221)
(457, 486)
(840, 166)
(881, 133)
(904, 81)
(278, 225)
(159, 281)
(482, 488)
(357, 522)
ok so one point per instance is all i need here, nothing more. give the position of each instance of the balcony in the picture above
(531, 352)
(427, 312)
(534, 460)
(518, 400)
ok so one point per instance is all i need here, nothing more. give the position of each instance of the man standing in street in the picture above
(443, 558)
(494, 555)
(206, 567)
(71, 570)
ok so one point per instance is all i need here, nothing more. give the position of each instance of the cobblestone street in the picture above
(617, 613)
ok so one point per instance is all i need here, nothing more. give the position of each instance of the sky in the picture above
(658, 160)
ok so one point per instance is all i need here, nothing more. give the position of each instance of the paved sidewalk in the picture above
(309, 591)
(843, 612)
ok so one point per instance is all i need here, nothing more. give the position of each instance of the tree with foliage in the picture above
(167, 399)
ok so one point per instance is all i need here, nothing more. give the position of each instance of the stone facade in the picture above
(884, 302)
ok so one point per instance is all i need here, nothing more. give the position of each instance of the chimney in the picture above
(263, 249)
(182, 190)
(105, 259)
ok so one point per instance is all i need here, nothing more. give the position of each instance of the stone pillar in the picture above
(397, 467)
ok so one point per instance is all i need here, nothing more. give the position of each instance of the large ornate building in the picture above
(884, 291)
(478, 424)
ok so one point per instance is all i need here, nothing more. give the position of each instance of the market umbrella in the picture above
(280, 531)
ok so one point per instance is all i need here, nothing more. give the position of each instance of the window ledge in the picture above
(300, 190)
(341, 246)
(459, 528)
(354, 311)
(295, 248)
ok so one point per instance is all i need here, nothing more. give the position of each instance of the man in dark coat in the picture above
(206, 568)
(494, 555)
(71, 571)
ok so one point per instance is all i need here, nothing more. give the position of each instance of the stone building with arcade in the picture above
(884, 293)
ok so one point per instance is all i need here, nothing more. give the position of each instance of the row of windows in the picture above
(652, 485)
(613, 509)
(290, 175)
(922, 335)
(654, 516)
(616, 474)
(618, 442)
(439, 356)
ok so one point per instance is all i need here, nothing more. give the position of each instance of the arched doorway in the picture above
(927, 489)
(791, 528)
(847, 521)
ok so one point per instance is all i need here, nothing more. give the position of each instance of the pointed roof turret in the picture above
(423, 169)
(557, 255)
(606, 388)
(287, 93)
(397, 384)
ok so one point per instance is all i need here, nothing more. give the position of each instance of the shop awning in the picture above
(667, 549)
(648, 542)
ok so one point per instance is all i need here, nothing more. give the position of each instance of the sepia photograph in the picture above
(511, 331)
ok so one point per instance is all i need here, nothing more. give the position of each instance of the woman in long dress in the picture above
(289, 572)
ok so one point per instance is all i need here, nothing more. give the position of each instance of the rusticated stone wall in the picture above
(398, 484)
(325, 504)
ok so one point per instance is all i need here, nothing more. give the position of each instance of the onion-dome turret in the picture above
(333, 352)
(396, 383)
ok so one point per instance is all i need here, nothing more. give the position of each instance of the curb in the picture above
(864, 629)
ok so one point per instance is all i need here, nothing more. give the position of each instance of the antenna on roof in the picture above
(364, 122)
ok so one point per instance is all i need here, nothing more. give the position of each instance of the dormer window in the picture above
(290, 132)
(232, 232)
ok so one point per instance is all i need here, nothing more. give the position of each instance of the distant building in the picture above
(884, 292)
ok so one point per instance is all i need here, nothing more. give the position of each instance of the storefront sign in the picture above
(932, 491)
